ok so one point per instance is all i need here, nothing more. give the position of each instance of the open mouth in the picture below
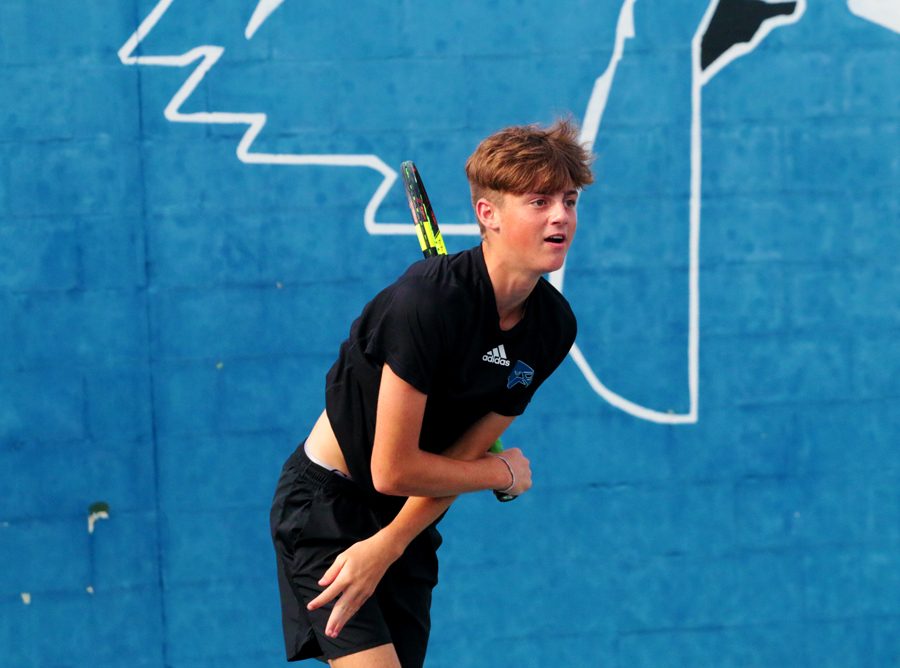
(558, 239)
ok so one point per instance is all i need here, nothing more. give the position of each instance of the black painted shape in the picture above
(737, 21)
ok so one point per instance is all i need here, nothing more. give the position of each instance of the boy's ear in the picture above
(486, 211)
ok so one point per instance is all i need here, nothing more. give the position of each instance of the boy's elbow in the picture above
(388, 480)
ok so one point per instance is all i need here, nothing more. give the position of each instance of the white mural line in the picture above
(206, 56)
(590, 127)
(263, 11)
(885, 13)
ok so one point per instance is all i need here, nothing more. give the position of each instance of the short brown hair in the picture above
(529, 158)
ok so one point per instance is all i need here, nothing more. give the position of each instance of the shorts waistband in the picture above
(318, 473)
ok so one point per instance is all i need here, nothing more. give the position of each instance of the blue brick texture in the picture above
(168, 314)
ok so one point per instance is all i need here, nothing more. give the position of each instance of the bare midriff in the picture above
(322, 446)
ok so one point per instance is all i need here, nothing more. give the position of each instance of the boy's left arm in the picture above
(357, 571)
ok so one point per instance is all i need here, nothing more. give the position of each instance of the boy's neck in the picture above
(511, 288)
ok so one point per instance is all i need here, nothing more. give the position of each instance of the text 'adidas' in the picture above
(496, 356)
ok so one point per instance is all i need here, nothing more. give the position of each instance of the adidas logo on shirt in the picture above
(496, 356)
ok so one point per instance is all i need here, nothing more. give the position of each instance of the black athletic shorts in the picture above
(316, 515)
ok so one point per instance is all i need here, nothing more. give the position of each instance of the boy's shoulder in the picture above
(554, 297)
(555, 308)
(458, 273)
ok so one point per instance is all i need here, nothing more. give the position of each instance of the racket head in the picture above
(427, 230)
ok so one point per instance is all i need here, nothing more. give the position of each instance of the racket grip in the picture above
(502, 497)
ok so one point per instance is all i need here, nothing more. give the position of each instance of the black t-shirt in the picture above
(437, 328)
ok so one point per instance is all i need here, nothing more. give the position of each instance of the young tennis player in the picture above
(435, 368)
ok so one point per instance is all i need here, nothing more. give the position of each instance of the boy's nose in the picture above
(559, 213)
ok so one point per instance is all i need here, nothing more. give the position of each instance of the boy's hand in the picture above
(353, 576)
(521, 468)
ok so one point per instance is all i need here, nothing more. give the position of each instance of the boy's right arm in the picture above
(400, 468)
(420, 511)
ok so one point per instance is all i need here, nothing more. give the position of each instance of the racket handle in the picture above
(496, 449)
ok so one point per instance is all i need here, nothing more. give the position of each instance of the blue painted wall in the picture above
(168, 312)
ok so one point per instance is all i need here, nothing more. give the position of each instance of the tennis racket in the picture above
(432, 243)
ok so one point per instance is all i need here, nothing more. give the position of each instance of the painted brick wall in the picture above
(168, 312)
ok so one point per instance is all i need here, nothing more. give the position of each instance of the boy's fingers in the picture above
(339, 616)
(347, 606)
(332, 571)
(330, 593)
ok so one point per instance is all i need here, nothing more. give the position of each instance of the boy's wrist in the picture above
(502, 472)
(512, 476)
(394, 539)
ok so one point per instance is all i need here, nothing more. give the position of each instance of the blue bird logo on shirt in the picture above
(522, 374)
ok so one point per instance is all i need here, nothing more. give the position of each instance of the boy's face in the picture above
(537, 228)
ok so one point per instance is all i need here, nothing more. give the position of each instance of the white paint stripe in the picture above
(93, 517)
(621, 402)
(263, 11)
(143, 30)
(208, 55)
(593, 116)
(600, 94)
(589, 129)
(597, 102)
(885, 13)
